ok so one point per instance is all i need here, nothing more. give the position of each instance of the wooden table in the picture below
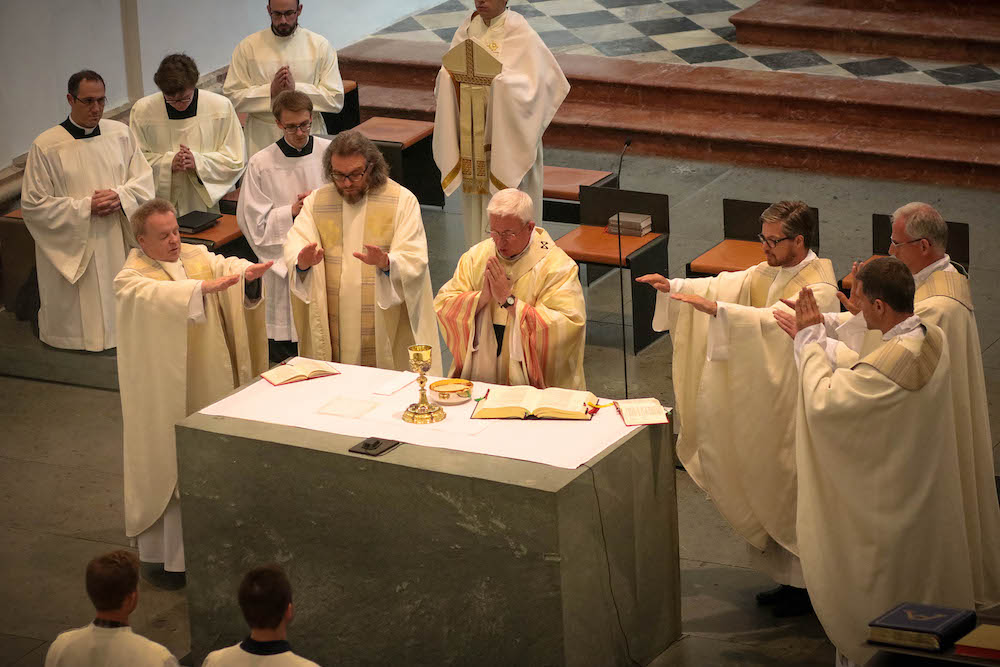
(223, 232)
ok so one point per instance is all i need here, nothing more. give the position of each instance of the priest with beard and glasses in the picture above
(356, 259)
(514, 313)
(283, 57)
(497, 91)
(725, 339)
(191, 138)
(880, 514)
(191, 330)
(84, 178)
(277, 181)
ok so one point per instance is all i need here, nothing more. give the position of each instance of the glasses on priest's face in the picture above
(507, 236)
(301, 127)
(185, 99)
(772, 243)
(289, 14)
(352, 177)
(91, 101)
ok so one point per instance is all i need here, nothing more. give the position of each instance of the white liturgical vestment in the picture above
(256, 60)
(210, 128)
(78, 253)
(274, 178)
(91, 646)
(523, 99)
(250, 653)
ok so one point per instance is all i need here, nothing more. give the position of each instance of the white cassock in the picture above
(250, 652)
(274, 177)
(524, 98)
(90, 646)
(880, 513)
(78, 253)
(257, 59)
(743, 455)
(180, 350)
(351, 312)
(210, 128)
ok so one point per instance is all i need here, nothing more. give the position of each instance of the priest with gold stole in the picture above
(191, 330)
(356, 258)
(497, 91)
(191, 138)
(83, 179)
(514, 313)
(725, 340)
(880, 517)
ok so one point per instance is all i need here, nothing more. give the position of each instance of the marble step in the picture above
(967, 32)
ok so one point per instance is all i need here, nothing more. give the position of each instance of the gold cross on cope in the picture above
(473, 68)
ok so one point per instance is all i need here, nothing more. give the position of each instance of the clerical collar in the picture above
(105, 623)
(909, 325)
(254, 647)
(498, 20)
(78, 132)
(291, 151)
(190, 112)
(810, 256)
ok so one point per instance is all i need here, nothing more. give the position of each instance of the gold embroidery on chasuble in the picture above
(910, 371)
(815, 272)
(946, 283)
(472, 69)
(328, 214)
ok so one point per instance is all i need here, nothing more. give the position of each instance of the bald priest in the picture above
(514, 313)
(191, 330)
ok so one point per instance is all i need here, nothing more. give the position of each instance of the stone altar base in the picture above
(431, 556)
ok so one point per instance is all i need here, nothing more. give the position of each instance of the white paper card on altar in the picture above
(352, 408)
(395, 383)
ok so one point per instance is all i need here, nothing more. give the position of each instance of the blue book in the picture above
(921, 626)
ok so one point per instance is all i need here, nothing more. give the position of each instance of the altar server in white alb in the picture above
(285, 56)
(191, 138)
(83, 179)
(357, 264)
(726, 340)
(277, 181)
(192, 330)
(880, 518)
(494, 101)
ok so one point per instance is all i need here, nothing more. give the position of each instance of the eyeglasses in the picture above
(352, 177)
(286, 14)
(771, 243)
(506, 236)
(91, 101)
(179, 100)
(895, 244)
(301, 127)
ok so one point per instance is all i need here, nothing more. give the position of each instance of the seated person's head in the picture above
(113, 582)
(155, 227)
(265, 597)
(511, 214)
(886, 290)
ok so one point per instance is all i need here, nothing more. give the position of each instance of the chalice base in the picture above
(423, 413)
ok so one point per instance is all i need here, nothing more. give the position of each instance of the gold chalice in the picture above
(422, 412)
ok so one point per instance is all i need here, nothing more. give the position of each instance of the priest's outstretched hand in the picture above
(310, 256)
(786, 320)
(219, 284)
(255, 271)
(699, 302)
(374, 256)
(656, 281)
(807, 310)
(851, 304)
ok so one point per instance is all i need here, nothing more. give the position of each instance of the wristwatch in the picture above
(508, 303)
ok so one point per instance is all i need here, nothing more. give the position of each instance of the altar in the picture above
(531, 542)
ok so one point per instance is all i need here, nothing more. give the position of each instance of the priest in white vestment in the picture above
(356, 258)
(191, 138)
(880, 516)
(488, 133)
(725, 340)
(285, 56)
(192, 330)
(514, 313)
(112, 583)
(277, 181)
(83, 179)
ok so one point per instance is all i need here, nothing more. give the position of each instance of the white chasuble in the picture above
(170, 366)
(543, 332)
(351, 312)
(210, 128)
(78, 253)
(273, 180)
(522, 101)
(256, 60)
(735, 392)
(880, 515)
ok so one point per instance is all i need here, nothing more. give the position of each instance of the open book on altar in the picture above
(524, 401)
(297, 370)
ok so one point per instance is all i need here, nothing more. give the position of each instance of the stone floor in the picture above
(695, 32)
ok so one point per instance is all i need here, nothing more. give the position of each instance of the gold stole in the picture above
(328, 214)
(910, 371)
(472, 69)
(951, 284)
(816, 271)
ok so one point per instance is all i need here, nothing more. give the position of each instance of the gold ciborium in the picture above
(422, 412)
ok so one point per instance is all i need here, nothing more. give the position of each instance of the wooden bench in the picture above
(17, 261)
(561, 191)
(224, 238)
(406, 145)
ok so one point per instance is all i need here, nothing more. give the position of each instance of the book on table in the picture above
(523, 401)
(197, 221)
(297, 370)
(983, 642)
(640, 411)
(921, 626)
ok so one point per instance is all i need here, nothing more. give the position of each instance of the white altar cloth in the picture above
(559, 443)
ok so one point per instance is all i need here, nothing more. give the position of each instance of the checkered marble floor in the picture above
(695, 32)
